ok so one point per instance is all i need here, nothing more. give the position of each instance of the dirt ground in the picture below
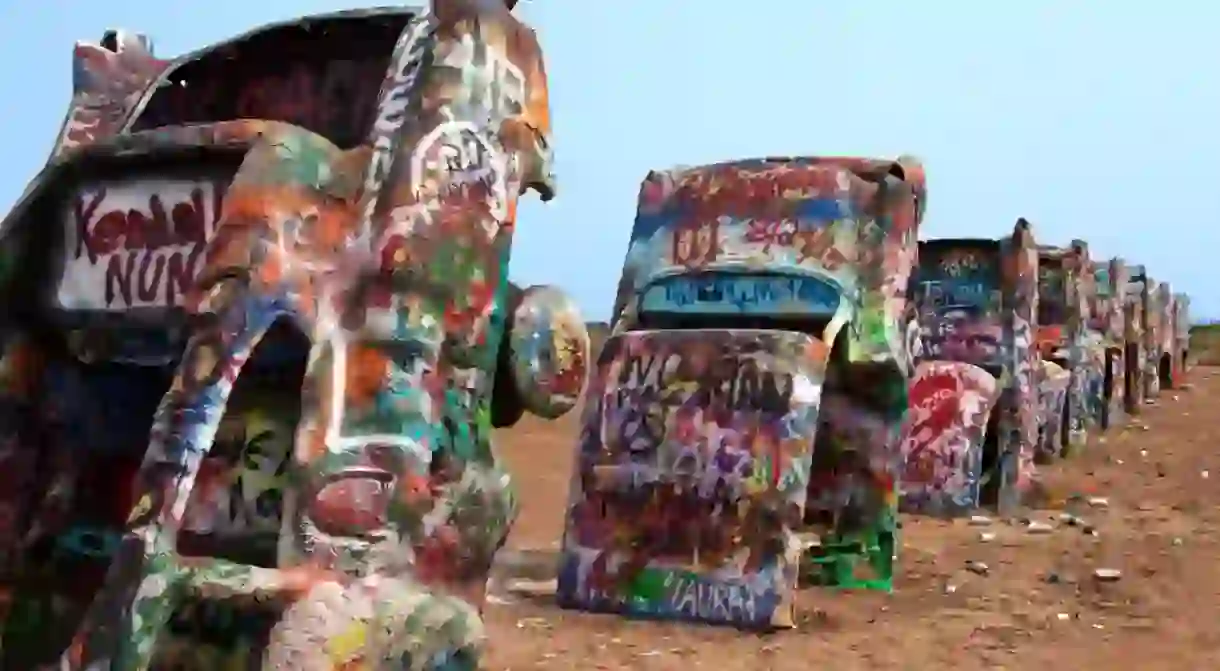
(1034, 604)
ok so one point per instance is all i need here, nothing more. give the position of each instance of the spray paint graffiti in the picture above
(1066, 281)
(943, 448)
(1144, 291)
(241, 484)
(333, 90)
(1181, 358)
(1166, 337)
(417, 347)
(971, 431)
(1054, 383)
(1108, 319)
(771, 262)
(136, 245)
(695, 444)
(1134, 326)
(108, 82)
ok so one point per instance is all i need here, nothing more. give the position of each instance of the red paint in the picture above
(133, 238)
(334, 98)
(697, 244)
(351, 507)
(936, 400)
(771, 231)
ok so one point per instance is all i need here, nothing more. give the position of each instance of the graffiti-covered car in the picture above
(1181, 334)
(257, 331)
(1107, 318)
(1143, 291)
(1134, 326)
(1166, 303)
(757, 330)
(974, 404)
(1065, 288)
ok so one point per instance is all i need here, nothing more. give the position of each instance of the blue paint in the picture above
(714, 293)
(105, 409)
(809, 215)
(954, 291)
(83, 541)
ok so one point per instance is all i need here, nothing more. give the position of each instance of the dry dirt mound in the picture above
(995, 596)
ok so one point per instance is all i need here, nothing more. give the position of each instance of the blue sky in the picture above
(1093, 118)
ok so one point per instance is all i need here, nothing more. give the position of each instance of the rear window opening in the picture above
(324, 75)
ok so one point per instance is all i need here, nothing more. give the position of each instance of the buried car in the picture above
(1134, 326)
(1065, 288)
(972, 425)
(1144, 292)
(1107, 318)
(250, 376)
(1168, 366)
(757, 336)
(1181, 334)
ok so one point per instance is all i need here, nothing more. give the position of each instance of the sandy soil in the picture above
(1035, 602)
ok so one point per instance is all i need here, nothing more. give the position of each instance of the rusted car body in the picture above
(758, 335)
(972, 427)
(1107, 318)
(1065, 288)
(233, 436)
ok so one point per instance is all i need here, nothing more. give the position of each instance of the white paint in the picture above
(392, 110)
(464, 154)
(125, 273)
(706, 600)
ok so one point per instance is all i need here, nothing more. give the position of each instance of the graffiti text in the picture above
(773, 295)
(137, 245)
(700, 599)
(729, 384)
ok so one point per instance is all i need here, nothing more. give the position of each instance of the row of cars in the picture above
(790, 365)
(256, 329)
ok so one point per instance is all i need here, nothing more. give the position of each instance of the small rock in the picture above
(1177, 542)
(977, 567)
(1107, 574)
(1070, 520)
(1053, 578)
(1039, 528)
(1205, 474)
(1099, 502)
(1063, 617)
(950, 588)
(980, 521)
(987, 536)
(1143, 453)
(532, 587)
